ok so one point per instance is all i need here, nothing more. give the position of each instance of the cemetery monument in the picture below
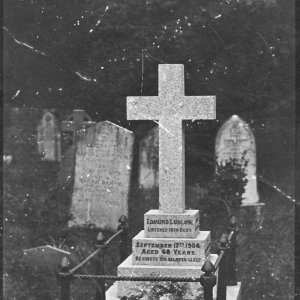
(48, 138)
(171, 243)
(77, 120)
(102, 176)
(235, 140)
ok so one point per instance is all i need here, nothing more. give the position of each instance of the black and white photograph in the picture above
(149, 150)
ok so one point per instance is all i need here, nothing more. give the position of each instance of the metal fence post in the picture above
(233, 226)
(124, 238)
(100, 294)
(208, 280)
(65, 280)
(223, 267)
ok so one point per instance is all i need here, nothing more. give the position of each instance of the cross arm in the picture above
(198, 107)
(143, 108)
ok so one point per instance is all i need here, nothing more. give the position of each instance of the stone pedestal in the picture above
(170, 245)
(128, 268)
(159, 224)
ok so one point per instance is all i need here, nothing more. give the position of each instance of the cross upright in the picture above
(170, 108)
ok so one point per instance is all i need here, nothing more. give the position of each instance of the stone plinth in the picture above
(159, 224)
(171, 251)
(128, 268)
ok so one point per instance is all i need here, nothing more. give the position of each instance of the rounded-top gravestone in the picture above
(235, 140)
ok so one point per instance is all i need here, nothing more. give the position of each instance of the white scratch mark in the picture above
(85, 78)
(158, 123)
(15, 95)
(24, 44)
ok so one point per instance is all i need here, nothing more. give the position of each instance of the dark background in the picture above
(91, 54)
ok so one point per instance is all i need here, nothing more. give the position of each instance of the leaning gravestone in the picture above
(171, 243)
(234, 141)
(48, 138)
(102, 176)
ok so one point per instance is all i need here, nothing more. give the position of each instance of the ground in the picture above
(265, 255)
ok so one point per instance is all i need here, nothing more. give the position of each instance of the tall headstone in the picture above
(148, 160)
(48, 138)
(77, 120)
(171, 243)
(102, 176)
(235, 140)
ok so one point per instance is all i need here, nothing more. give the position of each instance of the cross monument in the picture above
(169, 109)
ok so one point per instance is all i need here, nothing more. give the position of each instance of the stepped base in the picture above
(166, 225)
(233, 292)
(132, 287)
(170, 251)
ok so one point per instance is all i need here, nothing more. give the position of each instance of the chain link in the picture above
(130, 278)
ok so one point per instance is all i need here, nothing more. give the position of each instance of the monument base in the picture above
(170, 251)
(183, 225)
(253, 204)
(232, 292)
(127, 268)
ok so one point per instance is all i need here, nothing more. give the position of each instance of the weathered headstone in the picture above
(44, 257)
(235, 140)
(148, 160)
(171, 243)
(102, 176)
(76, 120)
(48, 138)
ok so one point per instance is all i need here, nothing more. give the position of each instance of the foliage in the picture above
(164, 291)
(228, 183)
(91, 54)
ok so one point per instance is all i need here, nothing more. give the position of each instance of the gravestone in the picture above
(102, 176)
(148, 160)
(44, 257)
(77, 120)
(48, 138)
(171, 243)
(235, 140)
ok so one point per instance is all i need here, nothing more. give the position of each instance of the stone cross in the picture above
(170, 108)
(75, 121)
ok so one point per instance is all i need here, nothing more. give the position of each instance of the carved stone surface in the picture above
(159, 224)
(171, 251)
(102, 176)
(170, 107)
(235, 140)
